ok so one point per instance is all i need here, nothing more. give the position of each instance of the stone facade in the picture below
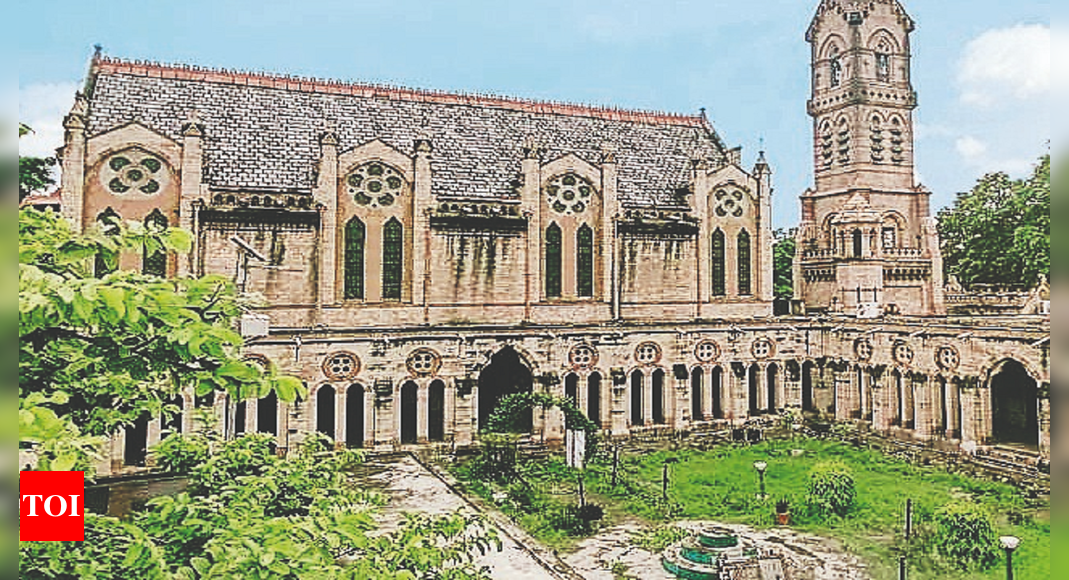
(422, 254)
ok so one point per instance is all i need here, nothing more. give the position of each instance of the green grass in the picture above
(721, 485)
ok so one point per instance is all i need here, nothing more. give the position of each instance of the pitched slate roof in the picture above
(262, 130)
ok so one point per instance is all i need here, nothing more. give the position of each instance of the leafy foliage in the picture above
(95, 354)
(783, 265)
(35, 173)
(831, 488)
(966, 535)
(112, 549)
(999, 232)
(656, 539)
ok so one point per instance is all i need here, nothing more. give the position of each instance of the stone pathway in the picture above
(412, 488)
(805, 557)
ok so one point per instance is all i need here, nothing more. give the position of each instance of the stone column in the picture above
(762, 269)
(422, 205)
(422, 411)
(191, 174)
(72, 163)
(530, 196)
(464, 426)
(736, 406)
(882, 410)
(843, 385)
(1044, 420)
(325, 195)
(647, 398)
(707, 392)
(340, 417)
(790, 395)
(618, 409)
(924, 421)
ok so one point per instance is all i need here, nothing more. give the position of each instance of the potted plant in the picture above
(783, 512)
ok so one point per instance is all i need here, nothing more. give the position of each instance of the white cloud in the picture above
(970, 148)
(1006, 64)
(42, 107)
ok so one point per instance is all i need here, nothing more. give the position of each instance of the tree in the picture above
(999, 232)
(35, 173)
(783, 264)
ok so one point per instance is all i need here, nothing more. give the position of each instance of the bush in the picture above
(112, 549)
(569, 519)
(181, 453)
(831, 488)
(966, 535)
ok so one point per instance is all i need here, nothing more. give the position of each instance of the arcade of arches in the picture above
(911, 380)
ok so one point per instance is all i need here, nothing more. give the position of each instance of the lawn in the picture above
(721, 485)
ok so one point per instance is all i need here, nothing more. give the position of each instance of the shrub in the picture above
(831, 488)
(111, 549)
(569, 520)
(966, 535)
(181, 453)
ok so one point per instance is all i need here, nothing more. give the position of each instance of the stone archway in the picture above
(807, 386)
(409, 412)
(436, 411)
(354, 415)
(325, 410)
(1014, 406)
(505, 375)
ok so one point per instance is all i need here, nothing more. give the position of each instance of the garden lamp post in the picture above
(761, 466)
(664, 477)
(1009, 544)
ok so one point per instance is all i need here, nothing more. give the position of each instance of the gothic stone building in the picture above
(422, 254)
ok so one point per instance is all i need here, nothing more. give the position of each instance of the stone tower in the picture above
(867, 244)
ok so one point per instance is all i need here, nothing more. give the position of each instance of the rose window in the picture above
(863, 349)
(341, 366)
(583, 356)
(903, 353)
(375, 185)
(134, 171)
(706, 351)
(729, 203)
(424, 362)
(569, 194)
(947, 358)
(647, 353)
(762, 348)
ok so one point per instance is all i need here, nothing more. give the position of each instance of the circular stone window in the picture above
(947, 358)
(375, 184)
(569, 194)
(341, 366)
(648, 353)
(424, 362)
(583, 356)
(902, 353)
(863, 349)
(762, 348)
(729, 203)
(134, 171)
(706, 351)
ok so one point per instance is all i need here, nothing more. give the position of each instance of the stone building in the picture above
(422, 254)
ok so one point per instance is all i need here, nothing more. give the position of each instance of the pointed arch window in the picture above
(719, 272)
(836, 68)
(584, 261)
(392, 259)
(154, 257)
(744, 263)
(355, 239)
(553, 261)
(107, 261)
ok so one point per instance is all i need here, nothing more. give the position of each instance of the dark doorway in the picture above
(771, 376)
(696, 379)
(436, 411)
(899, 394)
(505, 375)
(409, 412)
(807, 386)
(754, 384)
(857, 243)
(241, 410)
(173, 424)
(941, 414)
(354, 416)
(658, 397)
(593, 398)
(325, 410)
(136, 448)
(267, 414)
(571, 388)
(716, 377)
(636, 398)
(1014, 406)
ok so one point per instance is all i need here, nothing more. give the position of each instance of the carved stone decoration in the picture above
(341, 366)
(947, 358)
(707, 351)
(648, 353)
(902, 353)
(569, 194)
(863, 349)
(424, 362)
(375, 184)
(762, 348)
(583, 357)
(730, 202)
(134, 171)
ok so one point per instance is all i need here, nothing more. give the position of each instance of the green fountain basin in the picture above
(675, 563)
(717, 539)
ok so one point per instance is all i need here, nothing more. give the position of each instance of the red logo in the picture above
(51, 506)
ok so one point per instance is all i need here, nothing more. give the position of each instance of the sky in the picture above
(981, 67)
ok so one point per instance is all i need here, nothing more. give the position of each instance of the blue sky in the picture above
(981, 67)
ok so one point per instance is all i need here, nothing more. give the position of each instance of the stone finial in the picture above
(424, 145)
(608, 154)
(328, 139)
(80, 106)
